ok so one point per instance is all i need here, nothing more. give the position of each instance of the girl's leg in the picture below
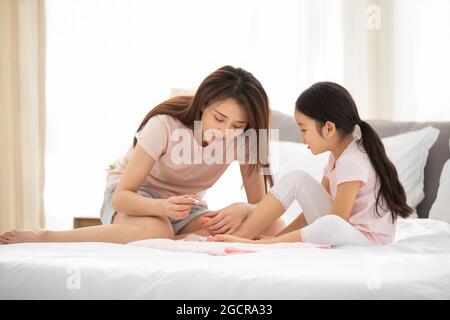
(298, 185)
(334, 231)
(323, 227)
(125, 228)
(268, 210)
(329, 230)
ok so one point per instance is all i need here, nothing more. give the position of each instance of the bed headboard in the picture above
(438, 155)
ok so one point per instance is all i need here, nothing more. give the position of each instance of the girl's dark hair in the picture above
(224, 83)
(328, 101)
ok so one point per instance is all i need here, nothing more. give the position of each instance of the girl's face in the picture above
(223, 119)
(317, 139)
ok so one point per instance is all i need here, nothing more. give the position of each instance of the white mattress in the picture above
(416, 266)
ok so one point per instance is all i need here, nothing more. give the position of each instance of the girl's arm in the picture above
(345, 198)
(326, 184)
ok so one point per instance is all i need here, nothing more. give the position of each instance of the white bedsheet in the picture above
(416, 266)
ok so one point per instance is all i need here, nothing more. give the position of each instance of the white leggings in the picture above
(323, 227)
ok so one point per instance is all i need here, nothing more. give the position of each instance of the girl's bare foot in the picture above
(22, 236)
(229, 238)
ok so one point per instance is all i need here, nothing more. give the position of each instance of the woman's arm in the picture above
(253, 184)
(127, 200)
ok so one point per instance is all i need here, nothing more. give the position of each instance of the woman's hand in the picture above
(226, 220)
(178, 207)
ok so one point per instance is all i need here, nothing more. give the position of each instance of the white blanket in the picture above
(416, 266)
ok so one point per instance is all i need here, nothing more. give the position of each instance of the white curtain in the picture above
(110, 61)
(22, 116)
(396, 58)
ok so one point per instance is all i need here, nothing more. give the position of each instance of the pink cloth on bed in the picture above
(219, 248)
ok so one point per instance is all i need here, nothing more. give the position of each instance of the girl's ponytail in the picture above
(391, 192)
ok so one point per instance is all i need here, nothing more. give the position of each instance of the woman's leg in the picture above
(193, 227)
(125, 228)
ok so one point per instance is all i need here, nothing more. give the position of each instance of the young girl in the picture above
(151, 194)
(360, 196)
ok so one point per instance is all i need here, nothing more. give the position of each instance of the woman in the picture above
(152, 194)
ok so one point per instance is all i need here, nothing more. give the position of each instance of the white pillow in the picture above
(287, 156)
(409, 153)
(440, 209)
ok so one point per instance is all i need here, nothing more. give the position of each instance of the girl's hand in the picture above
(229, 238)
(178, 207)
(226, 220)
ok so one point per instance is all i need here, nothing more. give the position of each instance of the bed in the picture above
(415, 266)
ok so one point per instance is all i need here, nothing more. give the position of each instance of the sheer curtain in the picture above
(21, 114)
(398, 65)
(110, 61)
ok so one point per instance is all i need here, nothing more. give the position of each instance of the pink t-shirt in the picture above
(354, 165)
(162, 138)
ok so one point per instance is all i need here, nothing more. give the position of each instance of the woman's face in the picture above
(223, 119)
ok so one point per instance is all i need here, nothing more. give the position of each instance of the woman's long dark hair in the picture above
(328, 101)
(224, 83)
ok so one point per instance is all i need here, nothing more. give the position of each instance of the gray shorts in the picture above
(107, 212)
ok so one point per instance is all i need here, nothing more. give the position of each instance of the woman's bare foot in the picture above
(22, 236)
